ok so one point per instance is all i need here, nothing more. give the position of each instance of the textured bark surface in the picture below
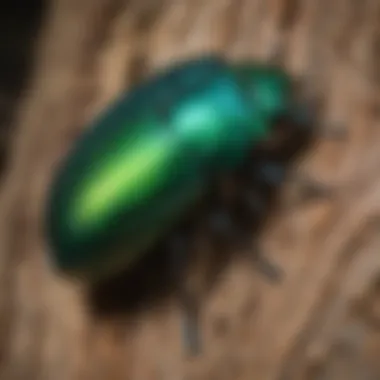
(323, 321)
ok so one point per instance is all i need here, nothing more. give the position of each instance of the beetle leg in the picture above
(269, 173)
(224, 228)
(276, 55)
(271, 270)
(221, 225)
(273, 174)
(251, 212)
(311, 188)
(334, 131)
(179, 256)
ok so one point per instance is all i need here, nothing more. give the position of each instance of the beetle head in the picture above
(276, 99)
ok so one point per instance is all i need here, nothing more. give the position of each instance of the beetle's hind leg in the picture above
(180, 249)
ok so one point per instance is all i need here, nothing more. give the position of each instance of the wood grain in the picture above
(323, 321)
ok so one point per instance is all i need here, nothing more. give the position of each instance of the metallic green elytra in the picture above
(147, 159)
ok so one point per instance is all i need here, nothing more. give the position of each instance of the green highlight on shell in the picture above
(127, 176)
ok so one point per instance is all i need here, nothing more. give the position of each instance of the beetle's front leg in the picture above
(180, 247)
(273, 174)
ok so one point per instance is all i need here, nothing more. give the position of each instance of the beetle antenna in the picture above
(334, 131)
(313, 104)
(276, 56)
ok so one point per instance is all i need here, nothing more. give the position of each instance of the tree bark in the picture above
(322, 322)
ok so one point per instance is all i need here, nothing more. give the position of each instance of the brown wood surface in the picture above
(323, 321)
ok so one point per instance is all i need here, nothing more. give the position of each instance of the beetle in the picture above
(141, 169)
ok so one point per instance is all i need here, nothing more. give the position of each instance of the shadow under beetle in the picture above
(153, 162)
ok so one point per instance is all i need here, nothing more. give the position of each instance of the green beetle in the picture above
(155, 153)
